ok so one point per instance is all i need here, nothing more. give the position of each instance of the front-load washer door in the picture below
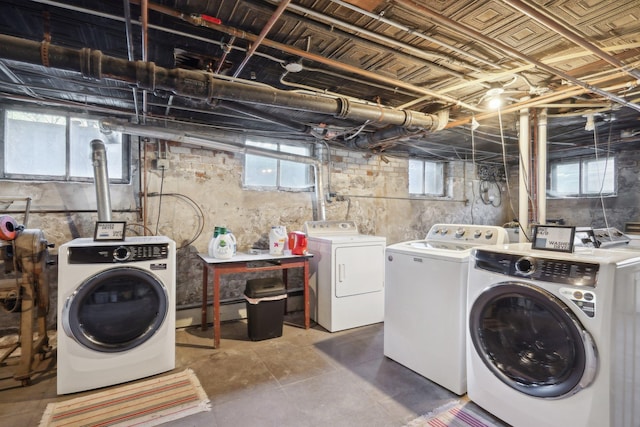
(116, 309)
(531, 340)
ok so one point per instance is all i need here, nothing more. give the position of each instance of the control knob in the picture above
(525, 265)
(122, 253)
(460, 232)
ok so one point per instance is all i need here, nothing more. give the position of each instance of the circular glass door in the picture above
(531, 340)
(116, 310)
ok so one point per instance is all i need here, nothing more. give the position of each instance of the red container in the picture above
(298, 243)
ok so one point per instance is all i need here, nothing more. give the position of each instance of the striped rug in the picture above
(149, 403)
(452, 414)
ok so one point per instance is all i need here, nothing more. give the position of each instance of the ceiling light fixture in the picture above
(494, 97)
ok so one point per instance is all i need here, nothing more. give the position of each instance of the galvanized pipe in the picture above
(101, 175)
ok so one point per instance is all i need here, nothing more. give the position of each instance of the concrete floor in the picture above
(304, 378)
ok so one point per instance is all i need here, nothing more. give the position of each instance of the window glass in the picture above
(565, 178)
(583, 177)
(598, 176)
(34, 143)
(57, 147)
(267, 172)
(81, 133)
(426, 177)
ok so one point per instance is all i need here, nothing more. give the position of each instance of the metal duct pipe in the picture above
(103, 197)
(318, 172)
(201, 85)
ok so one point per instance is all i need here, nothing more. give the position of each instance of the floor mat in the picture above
(149, 403)
(452, 414)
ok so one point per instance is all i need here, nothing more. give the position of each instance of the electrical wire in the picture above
(606, 164)
(200, 214)
(506, 176)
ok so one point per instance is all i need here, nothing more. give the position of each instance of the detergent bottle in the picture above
(223, 245)
(216, 232)
(277, 240)
(233, 239)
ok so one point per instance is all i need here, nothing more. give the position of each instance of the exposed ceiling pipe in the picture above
(145, 50)
(265, 30)
(311, 56)
(130, 51)
(565, 31)
(222, 141)
(202, 85)
(476, 35)
(248, 111)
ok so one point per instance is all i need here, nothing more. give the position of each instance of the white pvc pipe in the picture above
(542, 166)
(523, 193)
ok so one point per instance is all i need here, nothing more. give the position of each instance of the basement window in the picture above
(268, 173)
(583, 177)
(57, 147)
(426, 178)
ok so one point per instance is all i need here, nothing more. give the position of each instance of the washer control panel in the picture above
(564, 272)
(117, 253)
(470, 235)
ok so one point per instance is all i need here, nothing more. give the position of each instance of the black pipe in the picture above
(199, 84)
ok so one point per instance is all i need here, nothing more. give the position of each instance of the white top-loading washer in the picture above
(347, 275)
(425, 300)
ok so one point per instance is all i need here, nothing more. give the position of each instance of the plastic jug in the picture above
(223, 245)
(233, 239)
(298, 243)
(277, 240)
(210, 251)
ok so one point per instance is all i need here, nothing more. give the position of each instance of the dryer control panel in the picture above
(564, 272)
(117, 253)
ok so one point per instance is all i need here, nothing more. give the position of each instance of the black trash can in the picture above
(265, 308)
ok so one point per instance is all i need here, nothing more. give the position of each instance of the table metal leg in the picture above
(205, 285)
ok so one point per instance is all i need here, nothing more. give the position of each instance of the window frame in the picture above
(423, 193)
(68, 178)
(310, 186)
(582, 161)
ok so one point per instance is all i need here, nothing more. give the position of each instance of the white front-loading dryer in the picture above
(425, 300)
(346, 275)
(553, 339)
(116, 311)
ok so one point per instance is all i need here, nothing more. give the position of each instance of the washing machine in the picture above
(346, 280)
(554, 338)
(116, 311)
(425, 300)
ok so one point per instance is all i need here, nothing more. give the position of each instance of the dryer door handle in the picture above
(341, 272)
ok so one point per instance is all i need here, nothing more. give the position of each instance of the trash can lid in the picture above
(264, 287)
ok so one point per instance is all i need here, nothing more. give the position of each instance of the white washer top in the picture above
(330, 228)
(454, 240)
(339, 232)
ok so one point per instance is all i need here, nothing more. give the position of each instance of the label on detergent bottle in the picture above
(277, 240)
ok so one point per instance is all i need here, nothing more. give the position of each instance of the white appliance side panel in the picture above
(425, 312)
(358, 270)
(625, 355)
